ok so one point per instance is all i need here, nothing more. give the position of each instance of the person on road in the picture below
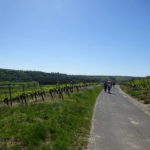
(109, 86)
(105, 86)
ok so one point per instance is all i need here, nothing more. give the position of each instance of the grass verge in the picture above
(64, 125)
(141, 95)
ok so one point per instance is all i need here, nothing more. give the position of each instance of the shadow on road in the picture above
(110, 93)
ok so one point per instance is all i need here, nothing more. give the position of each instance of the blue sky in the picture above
(92, 37)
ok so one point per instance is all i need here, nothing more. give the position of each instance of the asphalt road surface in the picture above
(119, 123)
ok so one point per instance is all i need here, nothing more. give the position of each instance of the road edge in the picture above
(134, 101)
(91, 139)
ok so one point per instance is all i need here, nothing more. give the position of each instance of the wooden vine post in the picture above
(23, 88)
(10, 96)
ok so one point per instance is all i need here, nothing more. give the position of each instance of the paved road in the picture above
(119, 124)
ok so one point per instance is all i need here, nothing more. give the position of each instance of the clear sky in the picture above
(92, 37)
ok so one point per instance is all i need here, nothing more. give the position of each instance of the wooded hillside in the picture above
(53, 78)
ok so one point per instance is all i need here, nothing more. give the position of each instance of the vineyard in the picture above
(54, 124)
(139, 89)
(22, 92)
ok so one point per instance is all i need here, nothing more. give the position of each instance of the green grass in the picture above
(140, 94)
(64, 125)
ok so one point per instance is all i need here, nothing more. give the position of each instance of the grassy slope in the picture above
(64, 125)
(141, 95)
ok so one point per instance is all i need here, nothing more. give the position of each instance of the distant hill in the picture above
(53, 78)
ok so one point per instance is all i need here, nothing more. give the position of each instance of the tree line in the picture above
(54, 78)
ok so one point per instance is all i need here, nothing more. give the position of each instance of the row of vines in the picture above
(139, 89)
(23, 93)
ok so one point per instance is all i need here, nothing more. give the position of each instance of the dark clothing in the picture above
(109, 86)
(105, 86)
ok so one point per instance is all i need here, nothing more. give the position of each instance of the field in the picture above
(61, 125)
(139, 89)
